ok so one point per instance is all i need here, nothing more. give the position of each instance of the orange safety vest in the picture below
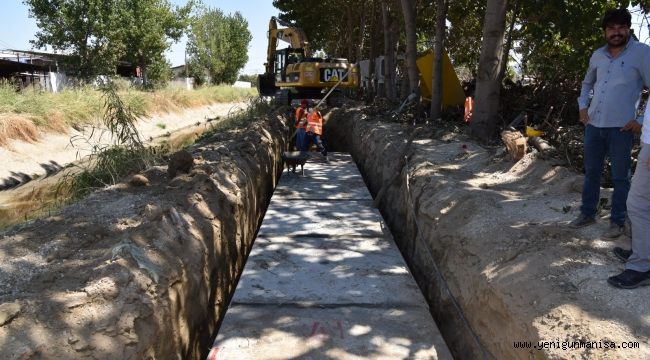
(315, 122)
(301, 113)
(469, 109)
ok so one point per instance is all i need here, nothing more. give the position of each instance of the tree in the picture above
(330, 24)
(408, 10)
(217, 45)
(438, 53)
(390, 43)
(98, 34)
(89, 30)
(488, 83)
(465, 35)
(151, 25)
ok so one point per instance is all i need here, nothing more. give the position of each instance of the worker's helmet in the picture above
(304, 102)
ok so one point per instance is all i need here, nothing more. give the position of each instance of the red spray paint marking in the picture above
(326, 329)
(214, 353)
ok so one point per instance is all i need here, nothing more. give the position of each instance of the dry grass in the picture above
(17, 127)
(23, 114)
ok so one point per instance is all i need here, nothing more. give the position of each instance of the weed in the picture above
(162, 126)
(106, 168)
(107, 164)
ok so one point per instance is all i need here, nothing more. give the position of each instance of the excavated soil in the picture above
(140, 272)
(137, 272)
(488, 242)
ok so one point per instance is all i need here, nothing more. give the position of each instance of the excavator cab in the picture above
(285, 58)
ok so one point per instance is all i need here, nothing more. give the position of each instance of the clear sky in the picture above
(17, 28)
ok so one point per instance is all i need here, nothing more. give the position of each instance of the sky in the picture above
(17, 28)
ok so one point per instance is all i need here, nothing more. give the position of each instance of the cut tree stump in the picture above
(515, 144)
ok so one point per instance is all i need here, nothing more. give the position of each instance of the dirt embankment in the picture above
(139, 272)
(488, 244)
(49, 152)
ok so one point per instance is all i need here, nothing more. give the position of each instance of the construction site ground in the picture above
(147, 271)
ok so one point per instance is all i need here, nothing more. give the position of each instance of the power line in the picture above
(6, 44)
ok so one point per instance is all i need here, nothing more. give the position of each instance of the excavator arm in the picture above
(290, 34)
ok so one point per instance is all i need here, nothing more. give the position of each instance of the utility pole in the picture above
(187, 73)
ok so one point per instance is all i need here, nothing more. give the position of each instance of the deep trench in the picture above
(203, 226)
(340, 136)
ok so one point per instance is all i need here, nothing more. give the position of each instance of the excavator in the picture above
(292, 74)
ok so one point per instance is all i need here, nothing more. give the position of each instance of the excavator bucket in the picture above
(452, 91)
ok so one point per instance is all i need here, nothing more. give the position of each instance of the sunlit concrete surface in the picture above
(324, 279)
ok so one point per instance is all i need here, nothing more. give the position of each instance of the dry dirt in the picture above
(140, 272)
(489, 237)
(145, 272)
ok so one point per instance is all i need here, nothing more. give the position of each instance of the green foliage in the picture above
(148, 24)
(330, 25)
(251, 78)
(159, 73)
(465, 34)
(120, 118)
(98, 34)
(217, 46)
(87, 28)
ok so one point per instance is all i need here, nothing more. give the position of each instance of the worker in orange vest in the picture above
(314, 130)
(301, 123)
(469, 109)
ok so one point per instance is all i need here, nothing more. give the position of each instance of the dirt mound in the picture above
(488, 243)
(136, 272)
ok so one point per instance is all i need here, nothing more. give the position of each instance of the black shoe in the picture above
(622, 254)
(630, 279)
(581, 221)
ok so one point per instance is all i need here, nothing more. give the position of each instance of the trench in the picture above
(128, 266)
(342, 136)
(183, 249)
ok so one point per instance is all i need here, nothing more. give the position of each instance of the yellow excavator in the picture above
(292, 74)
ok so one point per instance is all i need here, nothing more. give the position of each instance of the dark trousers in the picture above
(310, 138)
(599, 143)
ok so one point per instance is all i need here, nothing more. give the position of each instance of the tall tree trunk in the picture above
(438, 54)
(362, 33)
(488, 83)
(390, 41)
(350, 28)
(372, 51)
(508, 44)
(408, 10)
